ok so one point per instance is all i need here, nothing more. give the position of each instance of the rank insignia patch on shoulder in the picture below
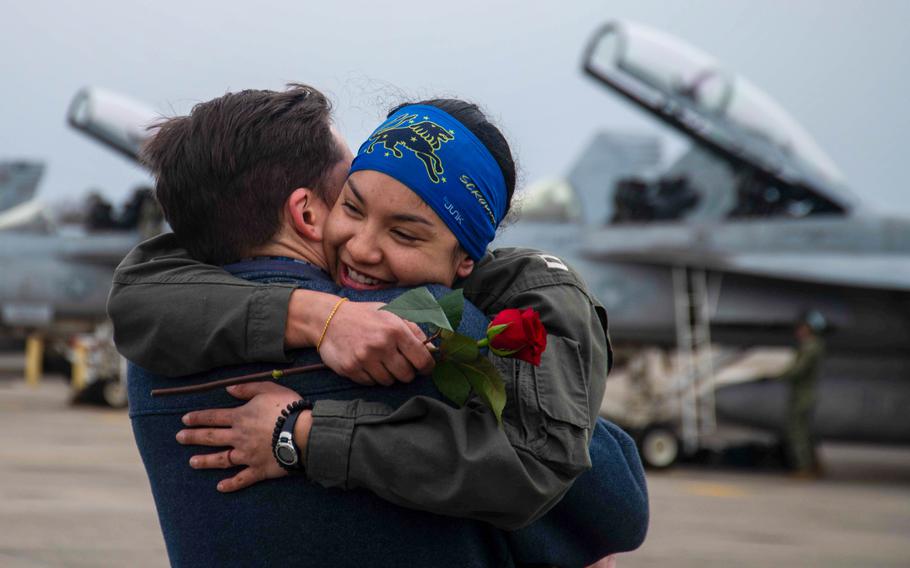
(553, 262)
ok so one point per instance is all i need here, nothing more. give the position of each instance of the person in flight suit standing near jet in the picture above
(802, 375)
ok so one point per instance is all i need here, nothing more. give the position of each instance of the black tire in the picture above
(54, 363)
(659, 447)
(104, 392)
(113, 393)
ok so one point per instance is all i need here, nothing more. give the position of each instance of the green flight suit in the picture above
(174, 316)
(802, 376)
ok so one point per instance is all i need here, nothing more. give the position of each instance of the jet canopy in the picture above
(688, 89)
(112, 119)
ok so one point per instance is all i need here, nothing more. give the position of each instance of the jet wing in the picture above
(882, 271)
(860, 270)
(687, 89)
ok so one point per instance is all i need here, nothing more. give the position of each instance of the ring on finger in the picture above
(230, 461)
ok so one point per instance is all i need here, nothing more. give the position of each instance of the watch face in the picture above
(286, 455)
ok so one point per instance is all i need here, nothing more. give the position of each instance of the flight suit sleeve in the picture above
(221, 320)
(427, 455)
(807, 358)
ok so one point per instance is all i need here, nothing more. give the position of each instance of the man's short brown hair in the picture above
(225, 171)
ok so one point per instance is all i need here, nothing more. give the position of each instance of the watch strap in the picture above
(290, 422)
(285, 423)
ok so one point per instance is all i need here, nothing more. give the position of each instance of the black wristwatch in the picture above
(286, 451)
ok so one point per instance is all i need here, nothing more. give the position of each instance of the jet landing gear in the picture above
(659, 446)
(106, 392)
(99, 372)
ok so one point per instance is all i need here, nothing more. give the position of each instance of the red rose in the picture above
(523, 338)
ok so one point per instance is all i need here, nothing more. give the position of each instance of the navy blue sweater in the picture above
(298, 523)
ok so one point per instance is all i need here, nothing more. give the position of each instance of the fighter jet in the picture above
(723, 249)
(56, 279)
(18, 182)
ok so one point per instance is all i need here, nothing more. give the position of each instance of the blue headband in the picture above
(446, 165)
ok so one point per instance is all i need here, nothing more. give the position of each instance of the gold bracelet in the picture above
(328, 320)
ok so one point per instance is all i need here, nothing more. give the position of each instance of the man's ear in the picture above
(464, 267)
(307, 213)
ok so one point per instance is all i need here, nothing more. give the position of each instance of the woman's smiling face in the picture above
(380, 234)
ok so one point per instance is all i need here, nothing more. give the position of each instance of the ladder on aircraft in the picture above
(695, 379)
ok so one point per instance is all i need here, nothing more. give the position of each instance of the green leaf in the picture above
(486, 382)
(451, 382)
(459, 348)
(419, 306)
(453, 305)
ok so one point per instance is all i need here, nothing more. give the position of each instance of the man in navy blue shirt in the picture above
(292, 255)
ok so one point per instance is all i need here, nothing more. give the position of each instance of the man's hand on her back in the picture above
(247, 433)
(362, 343)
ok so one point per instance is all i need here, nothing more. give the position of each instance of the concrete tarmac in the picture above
(73, 493)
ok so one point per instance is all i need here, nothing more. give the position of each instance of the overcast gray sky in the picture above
(841, 68)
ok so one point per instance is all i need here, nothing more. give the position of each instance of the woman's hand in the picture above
(361, 343)
(247, 430)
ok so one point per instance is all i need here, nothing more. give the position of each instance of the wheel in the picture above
(659, 447)
(113, 393)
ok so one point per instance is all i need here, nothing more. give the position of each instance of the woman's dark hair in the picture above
(470, 115)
